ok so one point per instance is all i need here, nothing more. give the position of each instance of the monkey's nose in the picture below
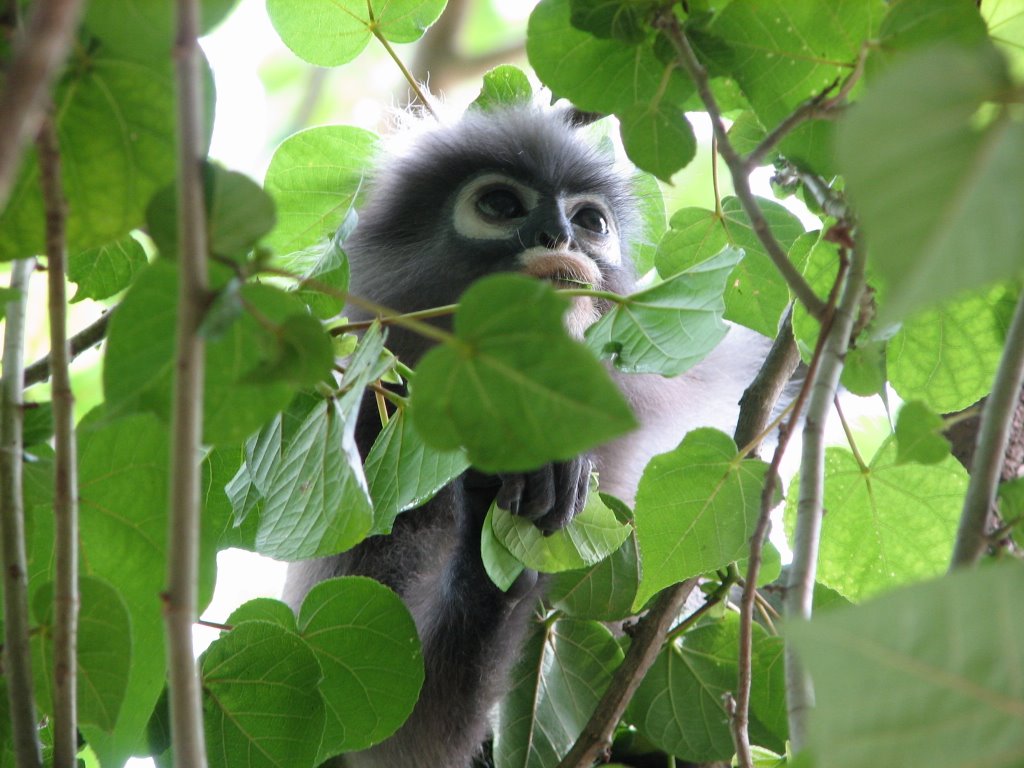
(555, 240)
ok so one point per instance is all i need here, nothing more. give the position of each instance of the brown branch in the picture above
(669, 24)
(65, 487)
(88, 337)
(972, 538)
(759, 399)
(39, 52)
(17, 656)
(180, 599)
(644, 649)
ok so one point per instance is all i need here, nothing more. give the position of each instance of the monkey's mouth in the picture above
(563, 269)
(566, 269)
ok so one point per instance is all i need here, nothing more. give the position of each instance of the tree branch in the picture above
(669, 24)
(38, 54)
(800, 590)
(972, 536)
(759, 399)
(17, 657)
(65, 487)
(93, 334)
(643, 650)
(180, 607)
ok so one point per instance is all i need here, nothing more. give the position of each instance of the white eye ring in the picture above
(472, 221)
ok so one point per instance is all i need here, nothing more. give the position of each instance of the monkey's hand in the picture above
(550, 496)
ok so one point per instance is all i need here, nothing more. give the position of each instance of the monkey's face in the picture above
(569, 238)
(512, 191)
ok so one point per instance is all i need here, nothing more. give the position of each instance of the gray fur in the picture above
(405, 253)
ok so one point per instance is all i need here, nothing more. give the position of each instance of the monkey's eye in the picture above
(591, 219)
(501, 204)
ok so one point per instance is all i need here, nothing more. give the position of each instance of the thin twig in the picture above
(17, 657)
(88, 337)
(810, 109)
(405, 71)
(180, 600)
(423, 314)
(65, 486)
(379, 311)
(800, 590)
(739, 712)
(669, 24)
(38, 54)
(647, 641)
(972, 536)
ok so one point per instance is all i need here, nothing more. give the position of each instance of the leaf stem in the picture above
(379, 311)
(17, 657)
(405, 71)
(972, 537)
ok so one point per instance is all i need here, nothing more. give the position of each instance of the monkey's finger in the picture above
(540, 492)
(571, 480)
(511, 492)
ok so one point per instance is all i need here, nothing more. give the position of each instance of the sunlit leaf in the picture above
(696, 508)
(943, 648)
(671, 326)
(512, 387)
(888, 524)
(102, 272)
(331, 32)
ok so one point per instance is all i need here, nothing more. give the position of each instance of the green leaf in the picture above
(122, 471)
(680, 704)
(264, 609)
(104, 653)
(501, 565)
(603, 592)
(328, 278)
(756, 294)
(696, 508)
(624, 20)
(911, 24)
(303, 355)
(556, 685)
(597, 75)
(783, 52)
(658, 138)
(512, 387)
(316, 498)
(941, 651)
(140, 357)
(366, 643)
(653, 223)
(37, 424)
(332, 32)
(919, 435)
(145, 30)
(315, 178)
(239, 211)
(115, 123)
(588, 538)
(504, 86)
(947, 357)
(102, 272)
(404, 472)
(260, 698)
(924, 219)
(888, 524)
(669, 327)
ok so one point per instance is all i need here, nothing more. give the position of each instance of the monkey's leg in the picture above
(471, 631)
